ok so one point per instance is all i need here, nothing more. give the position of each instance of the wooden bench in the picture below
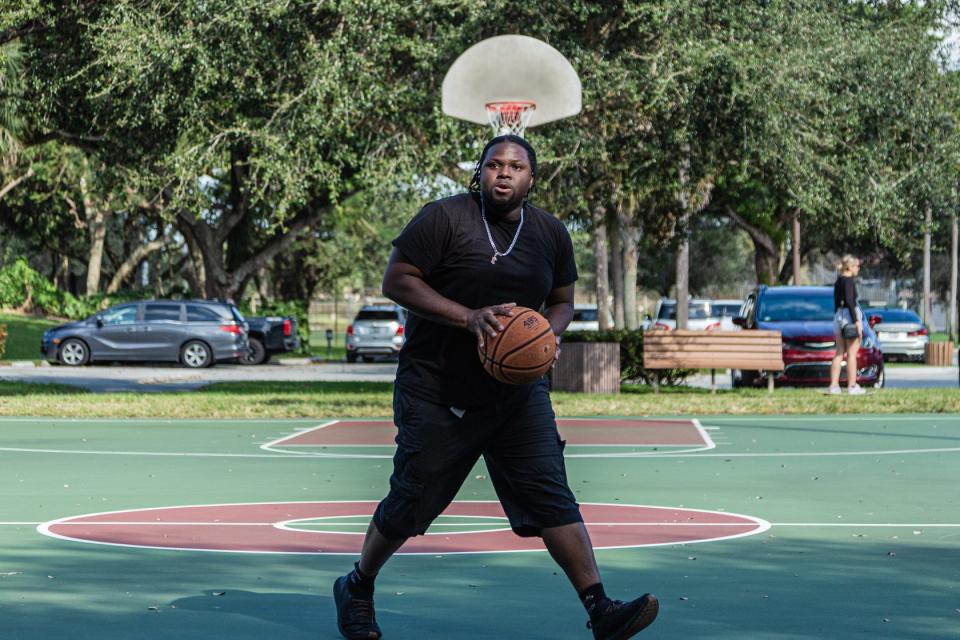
(750, 350)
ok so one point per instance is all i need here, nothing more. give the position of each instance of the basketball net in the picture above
(510, 117)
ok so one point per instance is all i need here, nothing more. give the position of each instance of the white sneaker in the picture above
(834, 391)
(856, 390)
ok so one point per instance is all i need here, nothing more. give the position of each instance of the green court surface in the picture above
(863, 538)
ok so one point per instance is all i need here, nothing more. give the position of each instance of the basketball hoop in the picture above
(510, 117)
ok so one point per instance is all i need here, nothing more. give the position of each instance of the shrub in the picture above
(631, 355)
(23, 288)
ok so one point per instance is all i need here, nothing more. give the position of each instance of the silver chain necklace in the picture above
(493, 245)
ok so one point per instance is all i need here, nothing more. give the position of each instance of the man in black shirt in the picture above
(458, 266)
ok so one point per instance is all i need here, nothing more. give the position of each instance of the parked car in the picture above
(699, 315)
(268, 336)
(377, 330)
(804, 318)
(726, 310)
(196, 333)
(586, 317)
(901, 333)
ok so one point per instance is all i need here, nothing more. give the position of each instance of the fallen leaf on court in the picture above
(691, 557)
(684, 598)
(153, 608)
(480, 477)
(891, 553)
(916, 533)
(11, 573)
(219, 593)
(886, 619)
(399, 593)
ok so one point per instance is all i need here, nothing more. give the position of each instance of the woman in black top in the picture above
(847, 314)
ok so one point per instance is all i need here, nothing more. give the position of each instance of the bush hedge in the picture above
(631, 355)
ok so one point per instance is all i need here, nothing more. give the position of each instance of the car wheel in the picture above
(74, 353)
(351, 357)
(881, 379)
(257, 353)
(196, 355)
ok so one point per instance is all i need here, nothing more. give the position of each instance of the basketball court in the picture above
(759, 527)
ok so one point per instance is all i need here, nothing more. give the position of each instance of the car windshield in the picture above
(585, 315)
(378, 314)
(696, 311)
(726, 310)
(796, 309)
(889, 315)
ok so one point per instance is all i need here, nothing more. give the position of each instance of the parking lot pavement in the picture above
(159, 378)
(898, 377)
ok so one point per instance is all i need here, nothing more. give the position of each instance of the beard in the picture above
(499, 207)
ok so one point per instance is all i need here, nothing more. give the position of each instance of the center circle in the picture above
(335, 528)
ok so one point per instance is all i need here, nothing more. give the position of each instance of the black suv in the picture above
(195, 333)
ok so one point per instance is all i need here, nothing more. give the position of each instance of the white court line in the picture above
(270, 445)
(44, 528)
(692, 454)
(708, 442)
(879, 525)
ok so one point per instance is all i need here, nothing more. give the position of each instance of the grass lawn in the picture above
(23, 335)
(374, 399)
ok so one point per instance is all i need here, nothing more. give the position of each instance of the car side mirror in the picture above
(100, 322)
(874, 320)
(740, 321)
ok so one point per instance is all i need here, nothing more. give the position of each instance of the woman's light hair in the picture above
(848, 262)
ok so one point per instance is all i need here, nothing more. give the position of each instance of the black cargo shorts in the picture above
(436, 450)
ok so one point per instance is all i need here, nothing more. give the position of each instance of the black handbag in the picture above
(849, 331)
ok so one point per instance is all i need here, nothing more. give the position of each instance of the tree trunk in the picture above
(631, 242)
(132, 262)
(954, 232)
(96, 218)
(683, 277)
(795, 247)
(616, 268)
(927, 308)
(766, 251)
(602, 255)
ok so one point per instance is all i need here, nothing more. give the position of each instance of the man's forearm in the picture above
(559, 315)
(416, 295)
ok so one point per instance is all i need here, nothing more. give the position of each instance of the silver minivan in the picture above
(377, 330)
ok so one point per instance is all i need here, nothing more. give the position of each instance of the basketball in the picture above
(523, 351)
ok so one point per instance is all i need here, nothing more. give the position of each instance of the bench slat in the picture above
(713, 363)
(659, 339)
(724, 348)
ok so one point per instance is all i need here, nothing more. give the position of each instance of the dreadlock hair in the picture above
(531, 154)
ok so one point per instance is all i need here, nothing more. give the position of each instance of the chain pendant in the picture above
(493, 260)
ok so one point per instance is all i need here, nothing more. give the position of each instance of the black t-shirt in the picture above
(447, 241)
(845, 295)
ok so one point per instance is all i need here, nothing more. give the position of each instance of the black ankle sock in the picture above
(592, 596)
(361, 584)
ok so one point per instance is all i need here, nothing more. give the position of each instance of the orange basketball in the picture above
(523, 351)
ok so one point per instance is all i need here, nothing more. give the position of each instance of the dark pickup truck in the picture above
(269, 335)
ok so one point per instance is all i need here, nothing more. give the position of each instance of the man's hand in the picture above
(556, 354)
(859, 330)
(483, 322)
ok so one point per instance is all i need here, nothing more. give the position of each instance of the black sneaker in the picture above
(620, 620)
(355, 617)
